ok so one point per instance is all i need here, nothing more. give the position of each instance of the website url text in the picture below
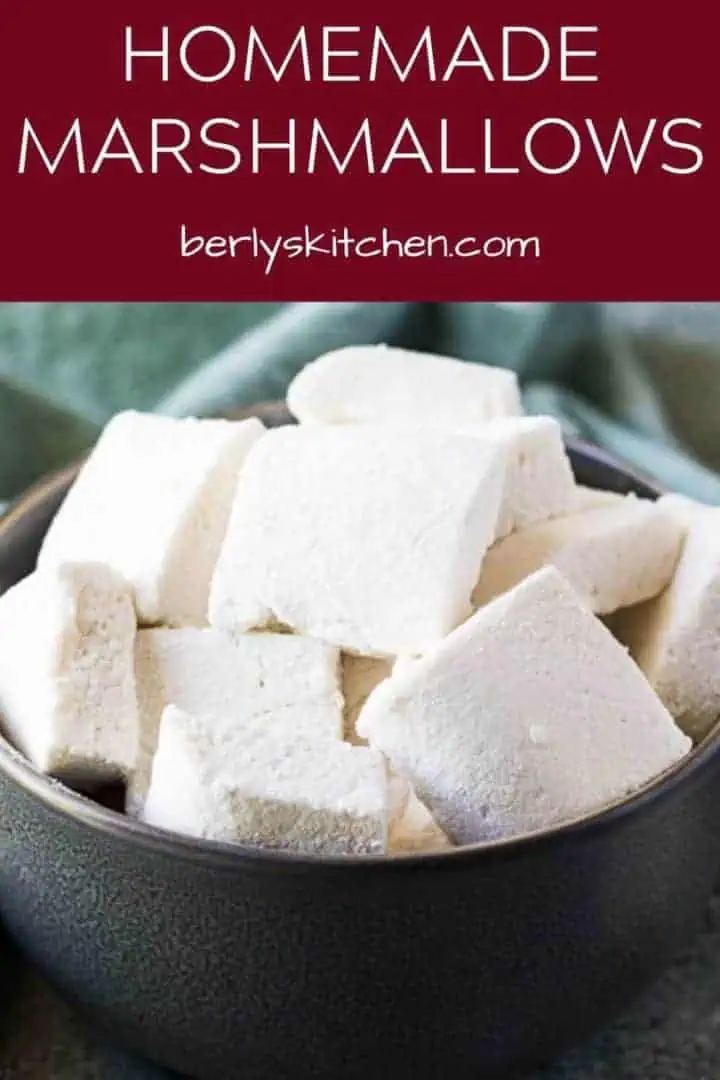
(342, 243)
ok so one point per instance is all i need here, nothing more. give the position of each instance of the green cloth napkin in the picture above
(642, 380)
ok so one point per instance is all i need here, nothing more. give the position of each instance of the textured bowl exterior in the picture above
(222, 964)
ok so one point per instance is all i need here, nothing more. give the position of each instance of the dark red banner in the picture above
(160, 150)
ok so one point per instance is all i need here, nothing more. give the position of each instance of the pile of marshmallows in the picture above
(382, 629)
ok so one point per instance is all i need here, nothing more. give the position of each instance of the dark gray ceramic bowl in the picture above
(225, 963)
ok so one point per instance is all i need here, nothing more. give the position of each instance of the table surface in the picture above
(673, 1033)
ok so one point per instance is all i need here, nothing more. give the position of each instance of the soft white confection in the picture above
(365, 536)
(153, 502)
(376, 384)
(588, 498)
(675, 638)
(528, 715)
(360, 675)
(285, 682)
(245, 784)
(67, 690)
(617, 554)
(539, 481)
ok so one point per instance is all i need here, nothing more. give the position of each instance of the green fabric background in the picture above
(641, 379)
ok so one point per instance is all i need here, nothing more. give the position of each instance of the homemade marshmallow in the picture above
(153, 501)
(67, 691)
(365, 536)
(377, 384)
(539, 481)
(528, 715)
(587, 498)
(381, 385)
(244, 783)
(675, 638)
(618, 553)
(287, 683)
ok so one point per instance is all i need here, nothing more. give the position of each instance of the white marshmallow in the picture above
(619, 553)
(67, 691)
(528, 715)
(376, 384)
(243, 783)
(539, 481)
(285, 682)
(153, 502)
(360, 675)
(588, 498)
(367, 537)
(675, 638)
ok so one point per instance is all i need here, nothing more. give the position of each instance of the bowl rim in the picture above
(83, 812)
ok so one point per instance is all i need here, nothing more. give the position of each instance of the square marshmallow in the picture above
(245, 784)
(528, 715)
(539, 481)
(288, 683)
(67, 690)
(619, 553)
(675, 638)
(374, 384)
(588, 498)
(380, 385)
(153, 502)
(367, 537)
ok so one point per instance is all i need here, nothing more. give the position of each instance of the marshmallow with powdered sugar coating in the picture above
(244, 784)
(67, 689)
(527, 716)
(592, 498)
(153, 501)
(675, 638)
(368, 537)
(615, 554)
(380, 384)
(286, 682)
(539, 481)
